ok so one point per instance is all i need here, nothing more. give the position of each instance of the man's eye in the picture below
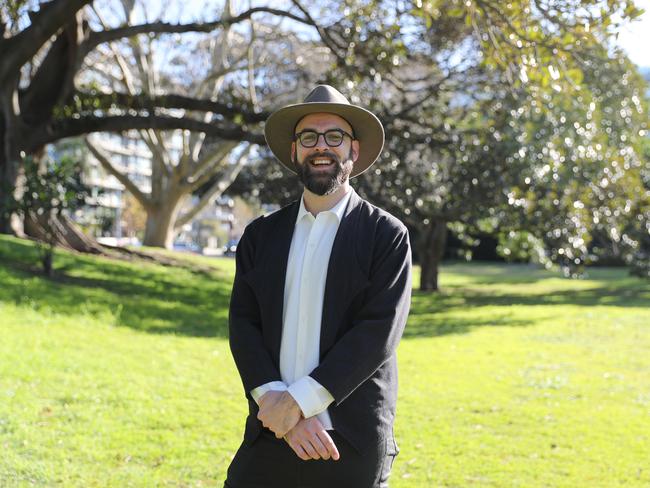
(308, 137)
(334, 137)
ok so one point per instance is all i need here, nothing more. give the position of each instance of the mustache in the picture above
(324, 154)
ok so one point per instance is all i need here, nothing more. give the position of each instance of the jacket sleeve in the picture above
(251, 356)
(378, 325)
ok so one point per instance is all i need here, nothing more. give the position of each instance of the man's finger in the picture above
(329, 444)
(323, 452)
(306, 445)
(297, 448)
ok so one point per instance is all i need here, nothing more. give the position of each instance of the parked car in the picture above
(186, 247)
(231, 248)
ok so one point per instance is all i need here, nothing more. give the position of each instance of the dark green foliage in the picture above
(50, 189)
(501, 118)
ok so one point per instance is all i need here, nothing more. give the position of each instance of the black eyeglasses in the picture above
(333, 137)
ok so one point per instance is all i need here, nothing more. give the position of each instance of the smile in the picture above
(322, 162)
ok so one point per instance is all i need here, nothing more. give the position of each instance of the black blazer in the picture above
(366, 303)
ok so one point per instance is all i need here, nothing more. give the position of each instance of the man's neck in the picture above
(319, 203)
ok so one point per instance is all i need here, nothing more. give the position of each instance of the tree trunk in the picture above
(60, 231)
(46, 260)
(432, 248)
(11, 184)
(4, 186)
(5, 192)
(11, 171)
(159, 231)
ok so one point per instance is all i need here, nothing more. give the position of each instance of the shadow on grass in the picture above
(612, 296)
(142, 296)
(432, 313)
(484, 273)
(433, 325)
(178, 300)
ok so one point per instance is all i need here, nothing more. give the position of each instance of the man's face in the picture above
(324, 168)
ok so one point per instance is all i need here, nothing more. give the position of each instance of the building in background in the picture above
(212, 228)
(104, 216)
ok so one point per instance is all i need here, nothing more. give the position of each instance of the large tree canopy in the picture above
(500, 116)
(510, 117)
(46, 92)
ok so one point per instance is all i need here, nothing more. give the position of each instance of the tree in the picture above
(477, 97)
(588, 182)
(477, 82)
(631, 237)
(51, 188)
(41, 54)
(179, 162)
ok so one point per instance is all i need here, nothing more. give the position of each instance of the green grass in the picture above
(119, 374)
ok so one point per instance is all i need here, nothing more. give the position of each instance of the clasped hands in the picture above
(280, 413)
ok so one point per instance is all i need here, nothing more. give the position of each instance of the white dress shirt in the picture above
(304, 291)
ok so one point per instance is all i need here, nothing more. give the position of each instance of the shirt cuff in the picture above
(271, 385)
(310, 395)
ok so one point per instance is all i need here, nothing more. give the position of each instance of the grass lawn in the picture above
(119, 374)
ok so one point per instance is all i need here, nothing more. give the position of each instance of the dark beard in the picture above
(325, 183)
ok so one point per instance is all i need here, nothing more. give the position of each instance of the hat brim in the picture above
(368, 130)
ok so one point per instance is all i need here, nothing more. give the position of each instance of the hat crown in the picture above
(326, 94)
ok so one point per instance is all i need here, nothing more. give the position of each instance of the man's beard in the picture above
(325, 183)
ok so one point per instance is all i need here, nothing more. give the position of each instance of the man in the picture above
(319, 302)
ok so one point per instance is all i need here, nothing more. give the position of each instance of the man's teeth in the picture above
(321, 161)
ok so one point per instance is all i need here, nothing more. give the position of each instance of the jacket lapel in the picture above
(345, 278)
(275, 272)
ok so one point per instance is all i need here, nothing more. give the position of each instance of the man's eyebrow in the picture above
(330, 128)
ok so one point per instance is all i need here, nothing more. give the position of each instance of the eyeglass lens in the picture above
(333, 138)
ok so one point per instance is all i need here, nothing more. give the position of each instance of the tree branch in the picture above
(220, 49)
(104, 160)
(251, 71)
(17, 50)
(97, 38)
(215, 190)
(150, 103)
(207, 167)
(86, 125)
(148, 136)
(324, 34)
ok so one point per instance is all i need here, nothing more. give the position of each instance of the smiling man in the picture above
(319, 302)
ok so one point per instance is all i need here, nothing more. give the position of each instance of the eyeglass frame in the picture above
(296, 137)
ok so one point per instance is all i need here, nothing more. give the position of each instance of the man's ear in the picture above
(293, 152)
(355, 150)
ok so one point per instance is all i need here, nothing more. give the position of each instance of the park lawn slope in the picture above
(118, 374)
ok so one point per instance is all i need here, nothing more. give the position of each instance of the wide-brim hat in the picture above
(367, 128)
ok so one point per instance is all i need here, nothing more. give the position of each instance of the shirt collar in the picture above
(337, 210)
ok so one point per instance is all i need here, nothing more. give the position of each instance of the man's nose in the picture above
(321, 143)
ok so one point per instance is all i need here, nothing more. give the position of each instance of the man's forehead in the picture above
(323, 119)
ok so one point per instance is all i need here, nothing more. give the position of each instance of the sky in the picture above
(635, 38)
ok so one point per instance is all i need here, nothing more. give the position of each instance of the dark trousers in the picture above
(270, 463)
